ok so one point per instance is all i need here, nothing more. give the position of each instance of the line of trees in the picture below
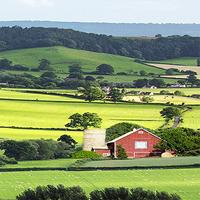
(152, 49)
(77, 193)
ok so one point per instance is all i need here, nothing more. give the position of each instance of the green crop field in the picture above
(184, 182)
(145, 162)
(61, 58)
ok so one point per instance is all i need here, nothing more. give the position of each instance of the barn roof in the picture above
(132, 132)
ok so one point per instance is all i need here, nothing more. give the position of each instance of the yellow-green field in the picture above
(166, 98)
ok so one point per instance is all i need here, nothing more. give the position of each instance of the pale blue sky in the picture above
(156, 11)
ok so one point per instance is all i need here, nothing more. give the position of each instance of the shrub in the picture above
(5, 160)
(85, 154)
(121, 153)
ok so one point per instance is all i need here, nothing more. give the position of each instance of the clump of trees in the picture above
(39, 149)
(147, 99)
(140, 83)
(116, 94)
(183, 141)
(76, 193)
(84, 121)
(105, 69)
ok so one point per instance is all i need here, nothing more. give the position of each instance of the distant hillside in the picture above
(61, 58)
(115, 29)
(161, 48)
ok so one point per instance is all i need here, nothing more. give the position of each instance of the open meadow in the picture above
(185, 182)
(61, 58)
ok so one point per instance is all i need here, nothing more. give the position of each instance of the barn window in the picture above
(141, 145)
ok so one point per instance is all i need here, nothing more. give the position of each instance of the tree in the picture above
(4, 63)
(143, 73)
(179, 93)
(170, 113)
(91, 93)
(44, 64)
(90, 78)
(119, 129)
(183, 141)
(68, 140)
(116, 94)
(105, 69)
(157, 82)
(49, 75)
(147, 99)
(192, 79)
(121, 153)
(141, 83)
(84, 121)
(198, 61)
(75, 68)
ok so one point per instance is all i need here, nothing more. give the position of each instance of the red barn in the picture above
(137, 144)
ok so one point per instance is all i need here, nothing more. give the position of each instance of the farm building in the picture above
(137, 144)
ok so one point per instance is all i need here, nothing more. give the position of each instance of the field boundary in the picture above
(2, 169)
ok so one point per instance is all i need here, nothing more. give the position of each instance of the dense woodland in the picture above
(150, 49)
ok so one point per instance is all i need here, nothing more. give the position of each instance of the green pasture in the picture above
(59, 163)
(185, 182)
(61, 58)
(19, 94)
(190, 61)
(145, 162)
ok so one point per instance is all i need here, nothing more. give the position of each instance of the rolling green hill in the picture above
(61, 58)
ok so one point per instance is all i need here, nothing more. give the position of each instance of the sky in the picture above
(119, 11)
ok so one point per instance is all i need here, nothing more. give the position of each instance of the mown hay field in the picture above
(185, 182)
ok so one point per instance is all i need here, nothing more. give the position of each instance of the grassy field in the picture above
(59, 163)
(144, 162)
(167, 98)
(190, 61)
(61, 58)
(185, 182)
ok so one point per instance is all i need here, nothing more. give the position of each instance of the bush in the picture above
(121, 153)
(132, 194)
(53, 193)
(5, 160)
(85, 154)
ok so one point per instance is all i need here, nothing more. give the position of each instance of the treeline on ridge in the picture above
(149, 49)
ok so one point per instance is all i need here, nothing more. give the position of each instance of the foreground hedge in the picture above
(76, 193)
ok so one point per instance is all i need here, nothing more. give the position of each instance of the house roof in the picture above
(132, 132)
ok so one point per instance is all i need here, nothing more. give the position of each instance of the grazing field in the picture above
(167, 98)
(144, 162)
(190, 61)
(61, 58)
(59, 163)
(182, 67)
(184, 182)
